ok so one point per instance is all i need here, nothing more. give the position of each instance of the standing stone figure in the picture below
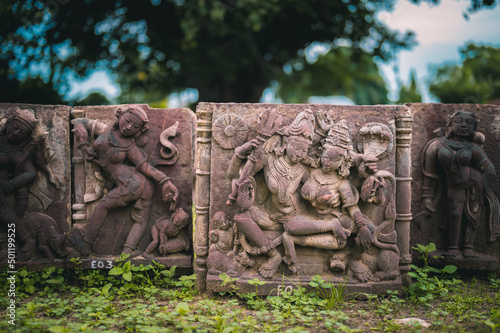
(117, 151)
(23, 150)
(470, 177)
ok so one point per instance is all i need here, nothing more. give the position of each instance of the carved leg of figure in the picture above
(140, 214)
(301, 226)
(456, 211)
(470, 234)
(48, 252)
(135, 234)
(27, 251)
(155, 234)
(251, 230)
(84, 246)
(269, 268)
(174, 245)
(387, 262)
(290, 255)
(359, 269)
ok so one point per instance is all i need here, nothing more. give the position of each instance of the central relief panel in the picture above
(287, 192)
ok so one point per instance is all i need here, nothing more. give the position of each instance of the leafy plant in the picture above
(334, 295)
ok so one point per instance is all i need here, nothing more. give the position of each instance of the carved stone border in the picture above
(202, 193)
(403, 187)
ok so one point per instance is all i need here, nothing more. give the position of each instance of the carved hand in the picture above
(427, 206)
(368, 165)
(163, 249)
(246, 148)
(88, 153)
(170, 193)
(325, 122)
(268, 123)
(364, 237)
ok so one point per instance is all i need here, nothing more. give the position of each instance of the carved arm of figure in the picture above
(487, 169)
(253, 164)
(169, 191)
(85, 130)
(366, 164)
(163, 237)
(350, 204)
(431, 187)
(24, 178)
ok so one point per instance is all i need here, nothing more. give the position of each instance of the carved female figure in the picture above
(18, 150)
(283, 158)
(116, 150)
(469, 177)
(335, 201)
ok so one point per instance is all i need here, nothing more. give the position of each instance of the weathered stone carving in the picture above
(169, 235)
(456, 166)
(129, 167)
(33, 179)
(221, 257)
(301, 197)
(444, 153)
(230, 131)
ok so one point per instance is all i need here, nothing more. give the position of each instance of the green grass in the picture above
(151, 299)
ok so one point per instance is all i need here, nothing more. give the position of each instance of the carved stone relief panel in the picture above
(133, 185)
(35, 184)
(456, 189)
(287, 192)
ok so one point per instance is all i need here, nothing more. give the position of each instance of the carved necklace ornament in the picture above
(109, 146)
(280, 170)
(230, 131)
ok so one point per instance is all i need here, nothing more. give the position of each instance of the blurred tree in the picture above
(94, 98)
(476, 80)
(229, 50)
(341, 71)
(411, 93)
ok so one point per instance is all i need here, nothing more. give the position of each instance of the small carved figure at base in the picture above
(167, 234)
(44, 231)
(221, 257)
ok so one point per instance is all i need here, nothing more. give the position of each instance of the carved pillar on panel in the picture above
(403, 187)
(78, 161)
(202, 194)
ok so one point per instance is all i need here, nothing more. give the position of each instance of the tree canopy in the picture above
(229, 50)
(475, 80)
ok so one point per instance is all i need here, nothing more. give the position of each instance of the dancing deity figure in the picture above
(117, 151)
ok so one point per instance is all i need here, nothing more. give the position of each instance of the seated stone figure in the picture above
(335, 201)
(168, 235)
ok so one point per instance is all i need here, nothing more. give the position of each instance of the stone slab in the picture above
(427, 119)
(224, 127)
(46, 200)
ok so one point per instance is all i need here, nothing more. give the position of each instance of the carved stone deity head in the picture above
(131, 120)
(335, 148)
(19, 126)
(462, 124)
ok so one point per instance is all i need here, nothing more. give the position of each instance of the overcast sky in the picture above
(441, 31)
